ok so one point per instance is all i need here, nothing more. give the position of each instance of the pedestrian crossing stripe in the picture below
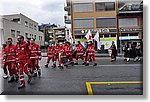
(89, 84)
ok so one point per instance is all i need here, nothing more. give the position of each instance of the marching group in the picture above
(24, 57)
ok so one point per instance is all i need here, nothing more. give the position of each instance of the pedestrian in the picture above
(132, 52)
(114, 51)
(50, 55)
(126, 52)
(138, 52)
(79, 52)
(91, 54)
(68, 52)
(10, 59)
(35, 56)
(23, 55)
(4, 63)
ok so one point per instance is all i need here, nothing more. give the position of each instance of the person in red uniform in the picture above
(23, 55)
(68, 52)
(50, 54)
(3, 62)
(91, 53)
(57, 54)
(79, 52)
(10, 59)
(35, 56)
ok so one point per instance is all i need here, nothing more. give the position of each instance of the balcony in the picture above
(67, 8)
(67, 19)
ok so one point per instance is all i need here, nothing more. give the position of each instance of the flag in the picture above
(89, 36)
(70, 37)
(96, 37)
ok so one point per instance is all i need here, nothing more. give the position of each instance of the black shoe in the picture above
(95, 64)
(21, 86)
(54, 66)
(46, 65)
(29, 79)
(72, 63)
(11, 80)
(17, 78)
(39, 72)
(87, 64)
(59, 66)
(76, 63)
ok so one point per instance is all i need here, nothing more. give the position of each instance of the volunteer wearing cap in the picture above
(23, 55)
(35, 56)
(10, 59)
(91, 53)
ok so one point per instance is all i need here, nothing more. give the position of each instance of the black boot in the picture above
(11, 80)
(46, 65)
(54, 66)
(17, 78)
(87, 64)
(29, 78)
(83, 63)
(76, 63)
(95, 64)
(39, 72)
(21, 86)
(34, 74)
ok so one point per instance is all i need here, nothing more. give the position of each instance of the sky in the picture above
(41, 11)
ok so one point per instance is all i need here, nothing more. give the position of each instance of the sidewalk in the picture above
(96, 54)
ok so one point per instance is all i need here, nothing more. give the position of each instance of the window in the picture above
(26, 35)
(35, 36)
(26, 23)
(105, 22)
(39, 37)
(34, 27)
(17, 20)
(18, 33)
(12, 33)
(128, 22)
(107, 6)
(84, 23)
(83, 7)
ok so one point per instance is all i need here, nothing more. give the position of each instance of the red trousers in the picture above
(34, 64)
(49, 58)
(70, 57)
(91, 56)
(12, 68)
(77, 57)
(23, 68)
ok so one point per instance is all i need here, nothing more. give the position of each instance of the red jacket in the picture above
(58, 48)
(80, 49)
(23, 51)
(68, 50)
(35, 51)
(51, 51)
(10, 53)
(91, 50)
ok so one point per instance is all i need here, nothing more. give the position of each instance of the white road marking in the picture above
(118, 65)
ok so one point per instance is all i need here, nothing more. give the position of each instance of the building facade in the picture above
(18, 24)
(97, 16)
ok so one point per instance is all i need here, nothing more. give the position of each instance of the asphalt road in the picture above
(72, 80)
